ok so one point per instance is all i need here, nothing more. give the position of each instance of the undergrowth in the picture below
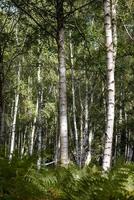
(20, 180)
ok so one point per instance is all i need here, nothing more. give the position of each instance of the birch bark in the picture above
(33, 128)
(110, 84)
(90, 137)
(73, 103)
(12, 143)
(39, 161)
(37, 116)
(62, 85)
(81, 127)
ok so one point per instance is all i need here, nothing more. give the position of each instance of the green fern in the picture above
(20, 180)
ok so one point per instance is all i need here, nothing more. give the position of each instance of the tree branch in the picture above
(33, 19)
(76, 9)
(128, 32)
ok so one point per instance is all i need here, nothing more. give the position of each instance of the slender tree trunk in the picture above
(10, 130)
(110, 86)
(73, 103)
(86, 125)
(40, 101)
(114, 32)
(86, 128)
(62, 84)
(39, 149)
(33, 128)
(114, 28)
(12, 143)
(57, 142)
(57, 150)
(128, 147)
(37, 117)
(89, 155)
(3, 126)
(81, 127)
(23, 142)
(90, 138)
(1, 96)
(39, 161)
(13, 129)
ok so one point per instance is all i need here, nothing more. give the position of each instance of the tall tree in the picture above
(16, 104)
(62, 83)
(1, 94)
(111, 53)
(74, 101)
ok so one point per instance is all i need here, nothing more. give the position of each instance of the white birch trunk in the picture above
(38, 102)
(110, 86)
(86, 125)
(12, 143)
(62, 85)
(81, 127)
(126, 135)
(89, 155)
(39, 148)
(86, 112)
(11, 115)
(33, 128)
(23, 141)
(114, 31)
(73, 103)
(114, 28)
(128, 158)
(13, 128)
(40, 129)
(90, 138)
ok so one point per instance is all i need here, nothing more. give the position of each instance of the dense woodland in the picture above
(66, 99)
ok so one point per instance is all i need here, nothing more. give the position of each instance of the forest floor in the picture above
(20, 180)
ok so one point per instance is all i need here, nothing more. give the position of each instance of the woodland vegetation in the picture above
(67, 100)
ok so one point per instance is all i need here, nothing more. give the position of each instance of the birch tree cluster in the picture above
(66, 82)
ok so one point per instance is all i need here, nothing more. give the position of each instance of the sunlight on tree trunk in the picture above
(62, 85)
(12, 143)
(110, 38)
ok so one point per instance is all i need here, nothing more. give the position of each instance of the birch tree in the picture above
(13, 129)
(111, 40)
(1, 95)
(12, 142)
(34, 128)
(90, 136)
(40, 94)
(62, 84)
(74, 102)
